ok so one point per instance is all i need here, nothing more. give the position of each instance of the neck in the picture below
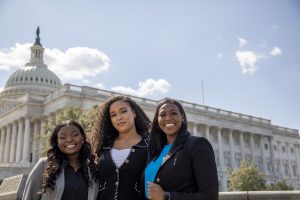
(74, 161)
(171, 139)
(129, 135)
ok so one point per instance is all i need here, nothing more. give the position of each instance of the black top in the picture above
(122, 183)
(76, 188)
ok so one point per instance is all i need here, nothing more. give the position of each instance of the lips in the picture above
(121, 123)
(70, 146)
(169, 125)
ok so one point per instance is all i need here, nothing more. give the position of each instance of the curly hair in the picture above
(158, 138)
(56, 160)
(104, 133)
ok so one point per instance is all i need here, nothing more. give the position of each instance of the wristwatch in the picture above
(167, 196)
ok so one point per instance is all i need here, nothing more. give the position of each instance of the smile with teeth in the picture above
(168, 125)
(70, 145)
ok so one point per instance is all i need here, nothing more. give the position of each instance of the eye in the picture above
(76, 134)
(61, 137)
(174, 113)
(124, 111)
(112, 115)
(162, 114)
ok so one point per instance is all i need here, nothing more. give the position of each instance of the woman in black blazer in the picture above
(180, 166)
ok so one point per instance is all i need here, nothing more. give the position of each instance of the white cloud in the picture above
(146, 88)
(17, 55)
(1, 89)
(248, 60)
(220, 55)
(99, 86)
(85, 81)
(75, 63)
(276, 51)
(242, 42)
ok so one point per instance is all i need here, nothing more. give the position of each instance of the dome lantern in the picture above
(33, 78)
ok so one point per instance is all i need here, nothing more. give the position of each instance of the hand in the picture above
(155, 192)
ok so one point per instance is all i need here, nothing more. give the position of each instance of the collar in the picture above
(179, 142)
(141, 144)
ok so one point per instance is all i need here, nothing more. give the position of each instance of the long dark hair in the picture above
(56, 160)
(104, 133)
(158, 138)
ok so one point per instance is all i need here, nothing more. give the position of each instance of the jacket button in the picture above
(157, 180)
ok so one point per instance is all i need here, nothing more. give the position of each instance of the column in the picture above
(26, 143)
(231, 148)
(263, 155)
(297, 152)
(289, 159)
(35, 144)
(207, 132)
(195, 131)
(252, 147)
(242, 143)
(280, 160)
(20, 141)
(2, 143)
(220, 147)
(7, 143)
(13, 143)
(43, 138)
(270, 139)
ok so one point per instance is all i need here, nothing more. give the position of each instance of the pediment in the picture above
(7, 105)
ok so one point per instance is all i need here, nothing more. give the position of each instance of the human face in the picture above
(122, 116)
(169, 120)
(70, 140)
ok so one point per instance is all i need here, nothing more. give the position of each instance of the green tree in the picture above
(280, 185)
(246, 178)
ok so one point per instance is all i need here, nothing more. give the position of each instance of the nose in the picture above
(119, 116)
(168, 117)
(69, 139)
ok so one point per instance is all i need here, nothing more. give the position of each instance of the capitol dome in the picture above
(33, 78)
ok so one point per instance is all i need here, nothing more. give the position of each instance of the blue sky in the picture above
(245, 52)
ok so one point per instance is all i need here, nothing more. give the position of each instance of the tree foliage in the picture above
(280, 185)
(246, 178)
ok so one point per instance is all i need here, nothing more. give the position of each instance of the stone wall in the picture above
(12, 188)
(260, 195)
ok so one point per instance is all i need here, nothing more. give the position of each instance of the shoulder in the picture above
(195, 143)
(41, 163)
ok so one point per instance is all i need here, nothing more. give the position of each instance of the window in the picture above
(266, 146)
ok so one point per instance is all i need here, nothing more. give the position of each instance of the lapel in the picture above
(60, 184)
(178, 144)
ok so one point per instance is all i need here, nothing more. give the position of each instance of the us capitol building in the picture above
(33, 95)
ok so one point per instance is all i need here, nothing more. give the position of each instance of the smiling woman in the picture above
(180, 166)
(120, 139)
(69, 165)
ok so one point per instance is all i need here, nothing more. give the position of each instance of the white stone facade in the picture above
(234, 136)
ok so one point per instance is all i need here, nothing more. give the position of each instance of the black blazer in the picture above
(122, 183)
(190, 173)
